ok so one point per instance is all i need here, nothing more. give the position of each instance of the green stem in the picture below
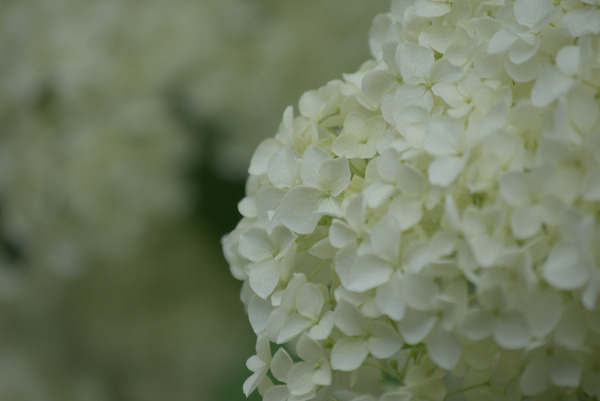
(384, 369)
(471, 299)
(355, 170)
(412, 355)
(309, 245)
(317, 270)
(465, 389)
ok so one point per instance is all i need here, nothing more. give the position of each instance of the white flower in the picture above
(271, 257)
(323, 180)
(359, 136)
(421, 74)
(361, 339)
(445, 202)
(259, 364)
(301, 309)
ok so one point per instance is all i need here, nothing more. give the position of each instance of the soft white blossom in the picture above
(447, 195)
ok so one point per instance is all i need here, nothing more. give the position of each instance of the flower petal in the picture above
(565, 269)
(443, 347)
(348, 354)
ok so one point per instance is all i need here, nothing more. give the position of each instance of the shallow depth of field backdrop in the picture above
(126, 128)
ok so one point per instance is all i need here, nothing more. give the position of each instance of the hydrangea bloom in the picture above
(427, 228)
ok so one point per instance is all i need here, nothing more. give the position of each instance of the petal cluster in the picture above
(439, 212)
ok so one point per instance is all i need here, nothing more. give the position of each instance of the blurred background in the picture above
(126, 129)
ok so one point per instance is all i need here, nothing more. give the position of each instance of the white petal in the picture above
(255, 245)
(406, 211)
(281, 364)
(430, 9)
(442, 243)
(565, 370)
(376, 83)
(411, 96)
(263, 349)
(298, 207)
(390, 299)
(254, 363)
(411, 180)
(526, 221)
(263, 277)
(477, 324)
(443, 137)
(515, 188)
(378, 192)
(442, 71)
(385, 238)
(267, 201)
(336, 173)
(294, 325)
(253, 382)
(284, 168)
(534, 379)
(451, 213)
(544, 310)
(284, 241)
(361, 273)
(262, 155)
(414, 62)
(415, 325)
(548, 87)
(309, 350)
(347, 145)
(486, 249)
(247, 207)
(354, 123)
(340, 234)
(591, 185)
(439, 38)
(511, 331)
(384, 341)
(485, 64)
(322, 376)
(590, 294)
(419, 291)
(309, 301)
(572, 330)
(276, 393)
(300, 379)
(350, 320)
(521, 51)
(567, 60)
(312, 159)
(529, 70)
(444, 170)
(528, 12)
(330, 206)
(258, 313)
(565, 269)
(501, 41)
(583, 110)
(348, 354)
(443, 347)
(582, 21)
(322, 330)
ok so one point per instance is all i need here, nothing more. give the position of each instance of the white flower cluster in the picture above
(90, 155)
(428, 228)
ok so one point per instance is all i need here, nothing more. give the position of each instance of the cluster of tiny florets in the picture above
(427, 228)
